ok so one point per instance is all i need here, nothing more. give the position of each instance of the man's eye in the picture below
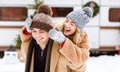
(42, 31)
(33, 31)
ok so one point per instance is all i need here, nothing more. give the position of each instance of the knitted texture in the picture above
(28, 22)
(56, 35)
(41, 21)
(81, 17)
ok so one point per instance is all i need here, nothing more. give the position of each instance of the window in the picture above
(114, 14)
(61, 11)
(13, 13)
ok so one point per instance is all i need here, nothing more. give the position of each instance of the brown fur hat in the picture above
(42, 19)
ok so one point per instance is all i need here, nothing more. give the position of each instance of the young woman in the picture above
(73, 40)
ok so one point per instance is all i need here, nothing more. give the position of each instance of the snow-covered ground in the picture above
(19, 67)
(102, 63)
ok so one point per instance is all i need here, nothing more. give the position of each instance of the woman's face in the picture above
(69, 27)
(41, 36)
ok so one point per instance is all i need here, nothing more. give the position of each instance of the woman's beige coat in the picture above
(69, 58)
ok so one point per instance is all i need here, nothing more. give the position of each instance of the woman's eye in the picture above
(66, 21)
(33, 31)
(72, 24)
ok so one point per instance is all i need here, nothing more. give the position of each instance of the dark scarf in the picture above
(40, 58)
(30, 52)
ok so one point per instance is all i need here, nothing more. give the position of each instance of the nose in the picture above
(38, 34)
(67, 24)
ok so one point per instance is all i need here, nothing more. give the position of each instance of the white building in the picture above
(103, 29)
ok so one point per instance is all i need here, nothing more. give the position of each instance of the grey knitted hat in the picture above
(81, 17)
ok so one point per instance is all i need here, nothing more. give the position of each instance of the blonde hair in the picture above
(76, 37)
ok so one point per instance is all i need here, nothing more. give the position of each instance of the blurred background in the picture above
(103, 29)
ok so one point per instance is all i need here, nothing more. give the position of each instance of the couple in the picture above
(56, 49)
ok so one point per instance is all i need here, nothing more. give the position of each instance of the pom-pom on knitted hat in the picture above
(81, 17)
(44, 9)
(42, 19)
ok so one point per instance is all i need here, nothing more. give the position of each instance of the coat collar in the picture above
(54, 56)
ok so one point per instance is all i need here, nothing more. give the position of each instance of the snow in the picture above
(102, 63)
(9, 67)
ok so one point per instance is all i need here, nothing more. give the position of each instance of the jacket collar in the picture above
(54, 56)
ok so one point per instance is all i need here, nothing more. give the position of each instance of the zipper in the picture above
(41, 53)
